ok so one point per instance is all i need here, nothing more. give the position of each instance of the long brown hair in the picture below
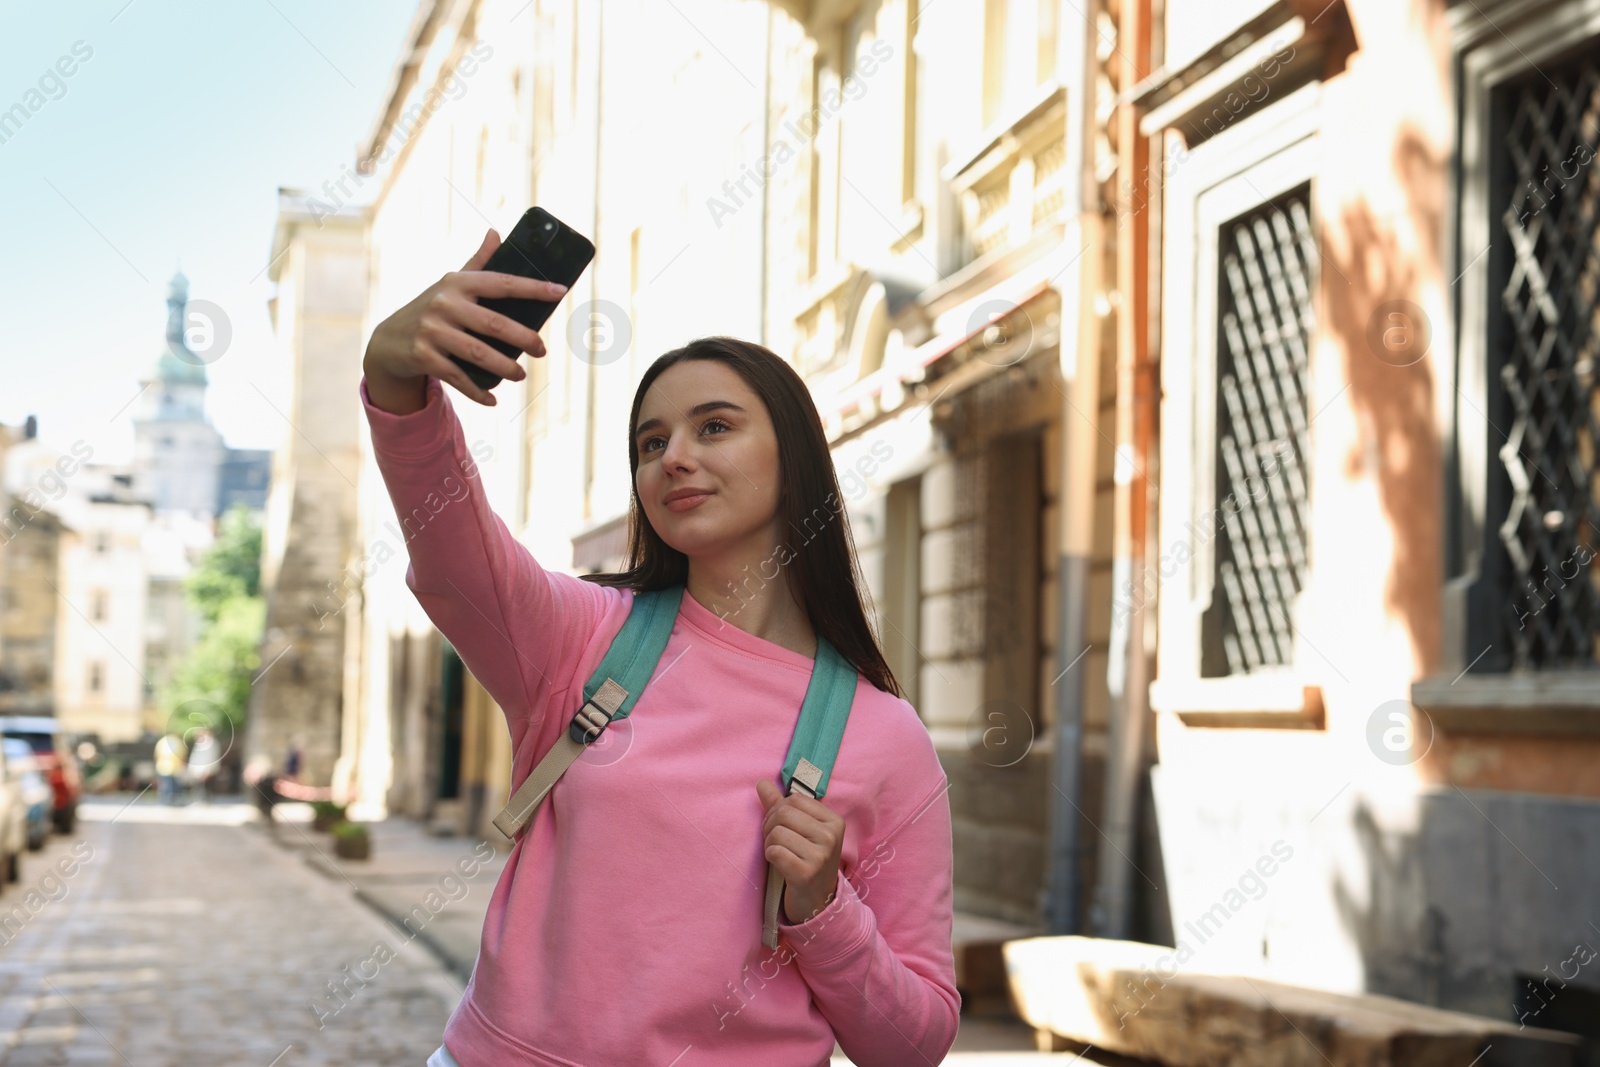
(823, 572)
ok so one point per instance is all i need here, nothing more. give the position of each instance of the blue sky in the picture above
(165, 147)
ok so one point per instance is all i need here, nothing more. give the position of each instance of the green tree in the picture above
(230, 568)
(210, 686)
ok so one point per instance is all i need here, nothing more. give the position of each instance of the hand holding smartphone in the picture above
(540, 246)
(519, 280)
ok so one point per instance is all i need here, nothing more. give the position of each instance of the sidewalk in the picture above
(413, 881)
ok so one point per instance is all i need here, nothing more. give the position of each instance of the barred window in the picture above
(1266, 279)
(1544, 284)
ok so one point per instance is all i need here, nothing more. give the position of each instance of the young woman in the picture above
(626, 929)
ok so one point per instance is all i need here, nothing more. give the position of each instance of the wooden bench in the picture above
(1127, 997)
(976, 942)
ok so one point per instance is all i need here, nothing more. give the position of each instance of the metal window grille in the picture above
(1267, 277)
(1542, 507)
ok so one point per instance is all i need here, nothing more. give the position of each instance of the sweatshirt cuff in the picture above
(835, 930)
(415, 436)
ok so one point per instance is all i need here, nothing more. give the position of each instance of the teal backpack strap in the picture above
(610, 694)
(821, 726)
(631, 660)
(811, 752)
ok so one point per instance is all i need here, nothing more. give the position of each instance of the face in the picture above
(702, 427)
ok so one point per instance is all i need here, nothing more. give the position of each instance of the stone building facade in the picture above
(1370, 585)
(30, 549)
(320, 268)
(100, 684)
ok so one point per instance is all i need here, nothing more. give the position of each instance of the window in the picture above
(1266, 280)
(1521, 593)
(1019, 53)
(1241, 278)
(1543, 513)
(102, 542)
(824, 161)
(97, 609)
(1010, 176)
(901, 602)
(96, 676)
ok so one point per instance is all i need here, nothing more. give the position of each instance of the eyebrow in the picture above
(694, 413)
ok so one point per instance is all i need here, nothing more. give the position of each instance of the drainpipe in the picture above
(1127, 674)
(1080, 366)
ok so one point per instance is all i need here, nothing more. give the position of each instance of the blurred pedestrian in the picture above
(204, 759)
(171, 755)
(261, 786)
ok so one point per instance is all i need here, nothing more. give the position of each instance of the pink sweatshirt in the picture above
(626, 927)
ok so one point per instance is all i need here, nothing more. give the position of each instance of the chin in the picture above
(691, 546)
(668, 528)
(690, 538)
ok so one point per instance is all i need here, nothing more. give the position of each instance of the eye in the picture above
(645, 446)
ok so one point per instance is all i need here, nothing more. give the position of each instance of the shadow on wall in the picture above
(1391, 382)
(1447, 897)
(1486, 906)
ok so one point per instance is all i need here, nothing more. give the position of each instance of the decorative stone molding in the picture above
(1285, 46)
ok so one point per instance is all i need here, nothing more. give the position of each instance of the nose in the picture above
(678, 451)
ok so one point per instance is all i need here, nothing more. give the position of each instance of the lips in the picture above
(685, 491)
(683, 500)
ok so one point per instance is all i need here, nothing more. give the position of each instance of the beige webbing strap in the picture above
(591, 719)
(769, 922)
(807, 776)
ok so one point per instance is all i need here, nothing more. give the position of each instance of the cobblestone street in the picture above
(157, 935)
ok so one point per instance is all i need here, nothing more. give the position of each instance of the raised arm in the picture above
(517, 627)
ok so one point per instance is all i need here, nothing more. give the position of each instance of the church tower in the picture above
(176, 449)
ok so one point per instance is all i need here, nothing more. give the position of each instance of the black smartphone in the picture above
(539, 246)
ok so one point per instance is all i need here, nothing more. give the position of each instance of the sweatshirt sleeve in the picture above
(516, 626)
(878, 958)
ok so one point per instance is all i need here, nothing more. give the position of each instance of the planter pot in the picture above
(353, 848)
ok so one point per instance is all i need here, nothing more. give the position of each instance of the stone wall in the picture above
(28, 606)
(312, 595)
(1439, 896)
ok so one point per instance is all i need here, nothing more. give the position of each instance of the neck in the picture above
(742, 596)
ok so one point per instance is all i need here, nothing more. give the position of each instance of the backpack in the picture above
(615, 686)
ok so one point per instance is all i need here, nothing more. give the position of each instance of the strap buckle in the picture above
(807, 778)
(597, 712)
(587, 724)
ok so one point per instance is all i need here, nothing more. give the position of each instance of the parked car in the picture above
(37, 796)
(52, 751)
(13, 822)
